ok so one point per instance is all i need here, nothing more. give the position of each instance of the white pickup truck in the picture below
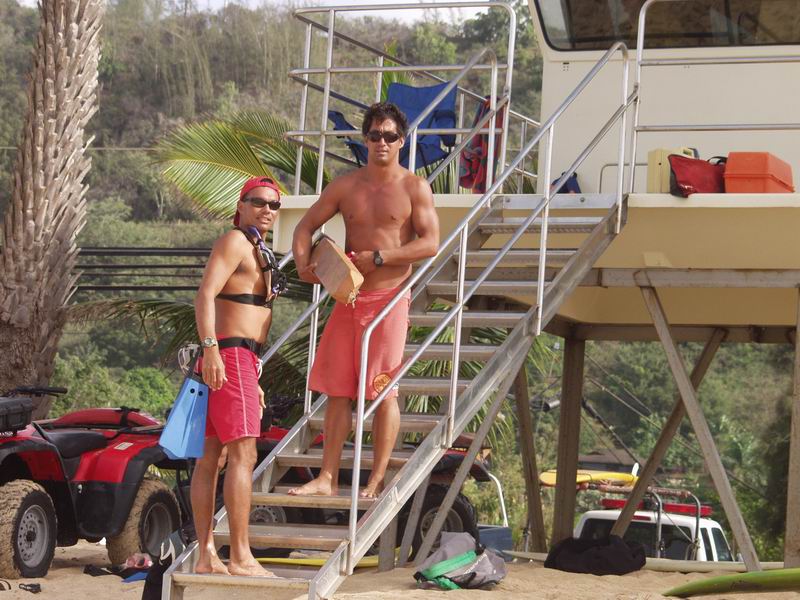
(678, 537)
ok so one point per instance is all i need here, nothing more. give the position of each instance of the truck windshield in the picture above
(676, 540)
(721, 544)
(596, 24)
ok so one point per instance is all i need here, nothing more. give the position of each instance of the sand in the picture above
(530, 581)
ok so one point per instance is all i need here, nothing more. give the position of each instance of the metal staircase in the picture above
(511, 278)
(508, 265)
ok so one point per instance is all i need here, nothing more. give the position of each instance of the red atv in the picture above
(90, 474)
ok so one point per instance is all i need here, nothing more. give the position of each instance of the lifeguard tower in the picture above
(614, 262)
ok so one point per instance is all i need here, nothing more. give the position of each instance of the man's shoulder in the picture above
(417, 186)
(232, 241)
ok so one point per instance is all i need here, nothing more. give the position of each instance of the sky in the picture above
(411, 15)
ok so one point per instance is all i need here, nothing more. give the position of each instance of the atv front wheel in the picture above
(154, 515)
(461, 517)
(27, 530)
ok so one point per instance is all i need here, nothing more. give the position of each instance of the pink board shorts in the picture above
(338, 361)
(234, 410)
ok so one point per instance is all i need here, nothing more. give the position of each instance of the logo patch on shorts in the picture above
(381, 381)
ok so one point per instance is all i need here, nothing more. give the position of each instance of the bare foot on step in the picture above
(373, 489)
(211, 565)
(316, 487)
(249, 569)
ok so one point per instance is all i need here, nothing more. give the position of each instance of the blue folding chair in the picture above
(431, 147)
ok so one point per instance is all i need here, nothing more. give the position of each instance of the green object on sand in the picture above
(757, 581)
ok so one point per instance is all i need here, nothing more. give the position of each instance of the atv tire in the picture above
(460, 518)
(27, 530)
(154, 515)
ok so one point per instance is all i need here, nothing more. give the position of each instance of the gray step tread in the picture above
(291, 535)
(280, 497)
(555, 224)
(291, 578)
(517, 258)
(409, 422)
(487, 288)
(433, 386)
(470, 318)
(445, 351)
(313, 458)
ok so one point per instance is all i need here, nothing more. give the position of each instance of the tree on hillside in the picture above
(47, 209)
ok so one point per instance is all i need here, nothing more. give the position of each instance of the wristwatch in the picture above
(377, 258)
(208, 342)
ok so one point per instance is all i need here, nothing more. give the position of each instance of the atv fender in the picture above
(451, 461)
(40, 460)
(103, 507)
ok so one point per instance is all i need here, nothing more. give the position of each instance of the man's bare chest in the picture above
(387, 208)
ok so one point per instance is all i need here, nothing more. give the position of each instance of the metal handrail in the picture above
(641, 62)
(461, 232)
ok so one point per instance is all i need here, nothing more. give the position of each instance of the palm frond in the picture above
(389, 77)
(266, 132)
(209, 162)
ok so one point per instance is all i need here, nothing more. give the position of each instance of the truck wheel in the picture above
(27, 530)
(461, 516)
(154, 515)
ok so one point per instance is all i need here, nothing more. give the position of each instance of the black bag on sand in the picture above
(606, 556)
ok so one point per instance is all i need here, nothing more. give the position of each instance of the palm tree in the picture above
(47, 209)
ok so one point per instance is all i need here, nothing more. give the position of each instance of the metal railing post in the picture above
(548, 194)
(379, 81)
(298, 168)
(451, 401)
(621, 154)
(492, 124)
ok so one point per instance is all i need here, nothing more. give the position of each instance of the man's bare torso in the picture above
(377, 216)
(242, 320)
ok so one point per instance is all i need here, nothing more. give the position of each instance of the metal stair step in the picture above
(313, 458)
(327, 502)
(409, 422)
(281, 497)
(487, 288)
(470, 318)
(291, 535)
(517, 258)
(429, 386)
(554, 225)
(479, 352)
(286, 578)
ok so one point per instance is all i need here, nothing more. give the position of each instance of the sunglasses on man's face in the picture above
(390, 136)
(261, 203)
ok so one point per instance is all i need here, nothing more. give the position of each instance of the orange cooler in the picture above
(757, 173)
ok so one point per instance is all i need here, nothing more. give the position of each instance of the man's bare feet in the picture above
(210, 564)
(320, 486)
(249, 569)
(373, 489)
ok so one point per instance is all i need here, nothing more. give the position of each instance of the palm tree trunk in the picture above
(48, 205)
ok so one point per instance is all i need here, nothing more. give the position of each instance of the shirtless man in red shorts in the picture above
(390, 223)
(233, 309)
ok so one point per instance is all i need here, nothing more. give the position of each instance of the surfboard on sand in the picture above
(757, 581)
(548, 478)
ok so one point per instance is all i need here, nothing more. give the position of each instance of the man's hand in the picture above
(261, 402)
(364, 261)
(213, 368)
(307, 273)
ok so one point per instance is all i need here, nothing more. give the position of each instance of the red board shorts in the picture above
(233, 410)
(338, 361)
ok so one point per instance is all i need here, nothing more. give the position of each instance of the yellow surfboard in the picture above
(317, 561)
(548, 478)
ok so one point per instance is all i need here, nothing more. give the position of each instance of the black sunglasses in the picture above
(261, 203)
(390, 136)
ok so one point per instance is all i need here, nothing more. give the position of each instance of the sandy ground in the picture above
(66, 581)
